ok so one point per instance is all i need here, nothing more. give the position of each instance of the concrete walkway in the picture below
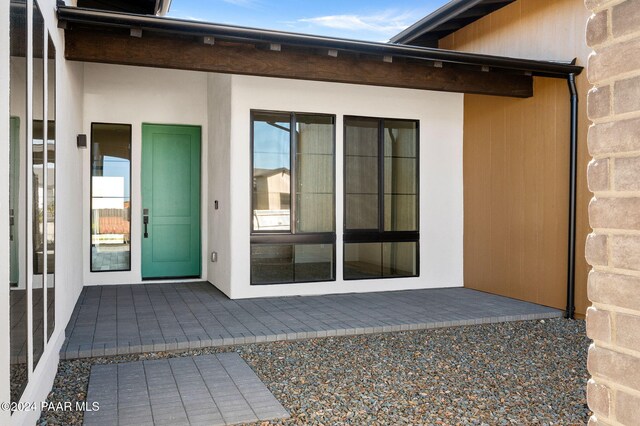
(113, 320)
(204, 390)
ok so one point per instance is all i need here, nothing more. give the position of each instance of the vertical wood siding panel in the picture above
(499, 202)
(516, 246)
(515, 192)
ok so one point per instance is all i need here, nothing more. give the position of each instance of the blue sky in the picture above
(375, 20)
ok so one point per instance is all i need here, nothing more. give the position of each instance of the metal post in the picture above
(571, 264)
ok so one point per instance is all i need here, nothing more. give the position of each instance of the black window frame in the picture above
(93, 123)
(379, 235)
(292, 236)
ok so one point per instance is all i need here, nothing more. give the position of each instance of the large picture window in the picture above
(381, 198)
(293, 198)
(110, 197)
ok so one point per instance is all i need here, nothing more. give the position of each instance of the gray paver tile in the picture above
(158, 317)
(206, 389)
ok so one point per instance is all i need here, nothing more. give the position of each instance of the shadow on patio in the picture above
(129, 319)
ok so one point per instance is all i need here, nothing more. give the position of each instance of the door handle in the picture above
(145, 220)
(11, 223)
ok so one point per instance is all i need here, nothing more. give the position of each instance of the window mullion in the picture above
(292, 166)
(292, 189)
(381, 176)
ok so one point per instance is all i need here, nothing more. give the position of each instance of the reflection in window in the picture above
(110, 197)
(288, 263)
(51, 189)
(293, 198)
(361, 173)
(314, 174)
(38, 185)
(400, 176)
(18, 220)
(43, 236)
(381, 198)
(380, 260)
(271, 172)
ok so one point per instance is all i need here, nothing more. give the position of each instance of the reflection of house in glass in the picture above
(110, 197)
(272, 199)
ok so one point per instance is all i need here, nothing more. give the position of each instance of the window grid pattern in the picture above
(293, 198)
(381, 187)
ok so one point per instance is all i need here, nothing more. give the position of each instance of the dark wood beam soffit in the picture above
(144, 7)
(190, 53)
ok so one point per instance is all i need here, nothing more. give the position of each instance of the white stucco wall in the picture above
(69, 277)
(219, 185)
(134, 95)
(441, 185)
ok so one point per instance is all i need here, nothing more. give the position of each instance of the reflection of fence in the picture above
(271, 220)
(111, 225)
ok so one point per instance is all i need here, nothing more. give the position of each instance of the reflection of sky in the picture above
(117, 167)
(270, 146)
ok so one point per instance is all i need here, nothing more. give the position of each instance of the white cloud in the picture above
(386, 23)
(243, 3)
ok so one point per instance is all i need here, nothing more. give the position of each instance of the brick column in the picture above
(613, 249)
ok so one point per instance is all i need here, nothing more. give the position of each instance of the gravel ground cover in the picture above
(531, 372)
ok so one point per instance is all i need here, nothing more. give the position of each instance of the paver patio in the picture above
(127, 319)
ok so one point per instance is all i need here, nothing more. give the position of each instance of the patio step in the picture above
(208, 390)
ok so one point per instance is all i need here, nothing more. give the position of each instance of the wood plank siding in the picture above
(516, 159)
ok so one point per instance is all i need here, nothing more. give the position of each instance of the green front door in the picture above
(170, 201)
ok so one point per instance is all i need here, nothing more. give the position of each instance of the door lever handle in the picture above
(145, 220)
(11, 223)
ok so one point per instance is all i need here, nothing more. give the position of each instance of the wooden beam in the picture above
(177, 52)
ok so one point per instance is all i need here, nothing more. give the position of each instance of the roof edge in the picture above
(255, 35)
(435, 18)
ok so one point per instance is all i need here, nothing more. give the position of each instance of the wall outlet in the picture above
(214, 256)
